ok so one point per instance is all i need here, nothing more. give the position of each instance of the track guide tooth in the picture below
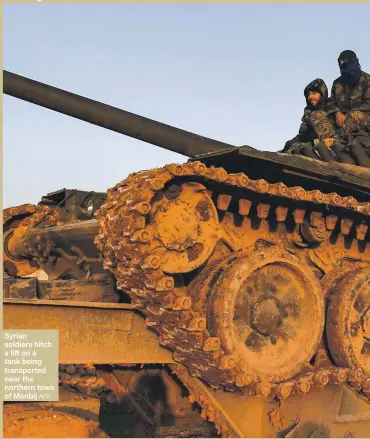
(345, 226)
(316, 219)
(331, 222)
(281, 213)
(223, 202)
(228, 218)
(263, 210)
(361, 230)
(299, 215)
(244, 206)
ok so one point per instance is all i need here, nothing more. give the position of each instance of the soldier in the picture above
(318, 120)
(351, 95)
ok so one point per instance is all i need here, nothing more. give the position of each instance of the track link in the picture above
(86, 380)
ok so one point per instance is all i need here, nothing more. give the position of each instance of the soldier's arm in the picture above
(333, 99)
(302, 136)
(330, 107)
(365, 106)
(303, 132)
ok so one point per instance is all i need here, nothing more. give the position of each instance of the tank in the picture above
(251, 267)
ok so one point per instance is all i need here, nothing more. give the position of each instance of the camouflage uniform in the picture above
(354, 102)
(317, 123)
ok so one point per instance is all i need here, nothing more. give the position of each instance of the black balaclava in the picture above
(349, 67)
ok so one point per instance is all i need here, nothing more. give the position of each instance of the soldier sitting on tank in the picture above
(318, 120)
(351, 96)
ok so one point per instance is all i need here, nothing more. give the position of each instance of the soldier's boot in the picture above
(341, 152)
(324, 149)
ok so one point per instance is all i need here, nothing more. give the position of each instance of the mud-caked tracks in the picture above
(348, 320)
(158, 227)
(17, 220)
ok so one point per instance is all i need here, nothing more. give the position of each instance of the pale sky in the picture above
(235, 73)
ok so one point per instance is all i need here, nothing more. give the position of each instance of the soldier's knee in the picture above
(356, 115)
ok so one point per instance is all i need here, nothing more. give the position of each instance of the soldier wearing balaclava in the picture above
(351, 95)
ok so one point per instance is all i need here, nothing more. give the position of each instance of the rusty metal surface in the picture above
(63, 251)
(45, 421)
(11, 218)
(78, 290)
(84, 380)
(86, 408)
(19, 259)
(23, 289)
(333, 411)
(89, 332)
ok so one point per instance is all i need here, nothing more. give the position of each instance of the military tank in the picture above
(252, 268)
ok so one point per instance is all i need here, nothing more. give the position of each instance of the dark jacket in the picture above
(306, 133)
(357, 98)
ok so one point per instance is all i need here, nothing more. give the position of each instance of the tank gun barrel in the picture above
(111, 118)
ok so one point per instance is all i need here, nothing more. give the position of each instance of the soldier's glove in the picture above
(340, 118)
(328, 142)
(324, 150)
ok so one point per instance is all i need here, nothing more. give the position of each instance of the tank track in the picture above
(35, 214)
(28, 215)
(125, 242)
(86, 380)
(24, 209)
